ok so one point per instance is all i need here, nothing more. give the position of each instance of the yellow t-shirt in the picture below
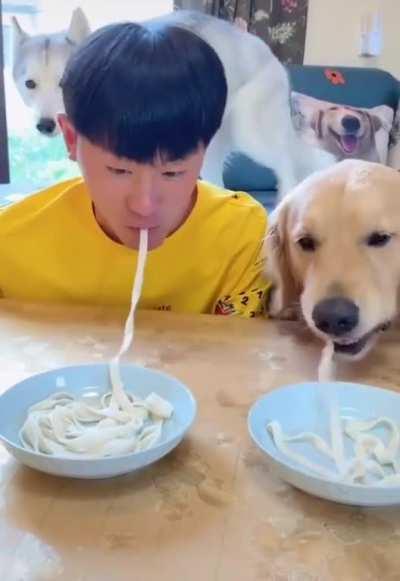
(52, 249)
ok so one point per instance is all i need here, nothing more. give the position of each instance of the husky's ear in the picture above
(18, 35)
(79, 27)
(284, 292)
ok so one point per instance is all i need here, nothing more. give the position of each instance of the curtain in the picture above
(280, 23)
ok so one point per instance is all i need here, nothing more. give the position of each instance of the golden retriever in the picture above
(333, 249)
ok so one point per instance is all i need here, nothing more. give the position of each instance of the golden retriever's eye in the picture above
(378, 239)
(307, 243)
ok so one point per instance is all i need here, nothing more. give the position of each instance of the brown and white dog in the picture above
(347, 132)
(333, 249)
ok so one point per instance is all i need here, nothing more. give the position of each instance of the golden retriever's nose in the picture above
(335, 316)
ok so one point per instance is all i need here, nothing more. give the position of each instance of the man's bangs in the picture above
(146, 127)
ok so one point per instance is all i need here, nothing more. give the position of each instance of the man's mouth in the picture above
(353, 348)
(147, 227)
(347, 142)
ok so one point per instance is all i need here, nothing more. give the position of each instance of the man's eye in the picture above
(173, 174)
(117, 171)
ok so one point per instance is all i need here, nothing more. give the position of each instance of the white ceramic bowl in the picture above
(300, 408)
(141, 381)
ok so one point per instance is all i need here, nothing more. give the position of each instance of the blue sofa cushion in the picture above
(362, 87)
(242, 173)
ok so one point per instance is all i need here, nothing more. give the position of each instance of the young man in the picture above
(142, 103)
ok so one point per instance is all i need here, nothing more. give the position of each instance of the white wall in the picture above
(333, 32)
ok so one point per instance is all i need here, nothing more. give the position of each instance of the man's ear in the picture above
(70, 135)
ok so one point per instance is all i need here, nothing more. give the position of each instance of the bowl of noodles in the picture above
(97, 421)
(66, 421)
(336, 440)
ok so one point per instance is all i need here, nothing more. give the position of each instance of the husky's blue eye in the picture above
(30, 84)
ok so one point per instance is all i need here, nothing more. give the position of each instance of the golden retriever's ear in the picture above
(284, 294)
(316, 122)
(376, 122)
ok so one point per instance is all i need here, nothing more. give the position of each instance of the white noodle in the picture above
(326, 373)
(281, 440)
(119, 397)
(372, 458)
(389, 454)
(326, 369)
(109, 425)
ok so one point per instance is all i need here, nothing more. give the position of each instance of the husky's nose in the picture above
(46, 125)
(335, 316)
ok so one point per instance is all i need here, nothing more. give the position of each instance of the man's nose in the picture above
(142, 200)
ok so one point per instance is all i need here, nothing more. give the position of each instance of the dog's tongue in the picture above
(349, 143)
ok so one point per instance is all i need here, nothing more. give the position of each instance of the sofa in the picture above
(357, 87)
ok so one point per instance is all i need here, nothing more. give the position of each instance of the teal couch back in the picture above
(362, 87)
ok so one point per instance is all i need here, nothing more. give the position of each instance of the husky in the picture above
(38, 64)
(257, 120)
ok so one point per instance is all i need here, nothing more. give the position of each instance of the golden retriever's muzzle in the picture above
(337, 318)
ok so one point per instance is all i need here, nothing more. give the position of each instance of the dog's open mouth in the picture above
(356, 347)
(347, 142)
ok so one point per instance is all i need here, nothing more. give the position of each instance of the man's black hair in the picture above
(142, 90)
